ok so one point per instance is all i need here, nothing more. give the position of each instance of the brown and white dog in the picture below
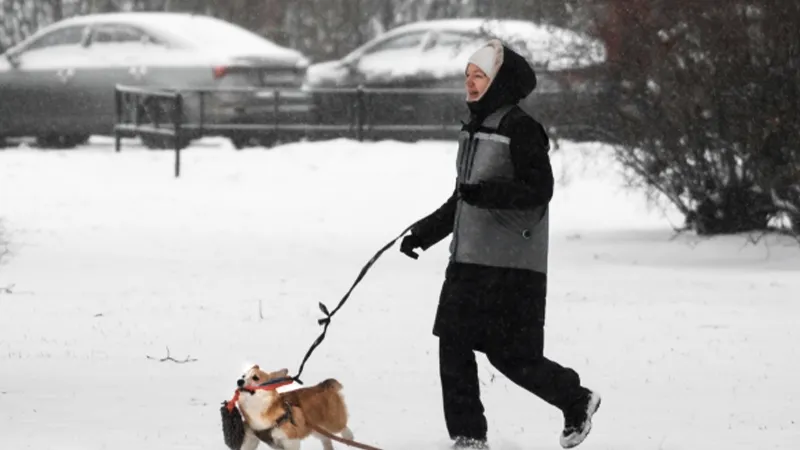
(283, 420)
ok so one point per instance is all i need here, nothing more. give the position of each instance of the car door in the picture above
(117, 52)
(38, 88)
(391, 63)
(446, 57)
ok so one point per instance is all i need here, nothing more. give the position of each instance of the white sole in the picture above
(575, 440)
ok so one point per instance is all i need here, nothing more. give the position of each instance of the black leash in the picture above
(329, 314)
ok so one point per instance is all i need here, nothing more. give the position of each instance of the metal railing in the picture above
(357, 100)
(169, 117)
(133, 103)
(160, 114)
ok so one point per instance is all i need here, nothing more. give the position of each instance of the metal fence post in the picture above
(360, 113)
(118, 109)
(202, 112)
(177, 117)
(276, 108)
(137, 113)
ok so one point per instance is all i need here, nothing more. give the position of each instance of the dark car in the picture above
(58, 85)
(427, 59)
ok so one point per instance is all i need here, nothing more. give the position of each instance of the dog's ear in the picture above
(281, 373)
(255, 366)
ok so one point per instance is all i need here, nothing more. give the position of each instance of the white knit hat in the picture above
(486, 58)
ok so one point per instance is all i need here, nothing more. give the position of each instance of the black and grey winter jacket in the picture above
(498, 212)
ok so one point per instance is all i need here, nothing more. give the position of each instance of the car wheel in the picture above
(81, 139)
(61, 141)
(269, 141)
(240, 142)
(332, 109)
(154, 142)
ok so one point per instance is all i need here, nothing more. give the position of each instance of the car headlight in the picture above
(313, 77)
(302, 64)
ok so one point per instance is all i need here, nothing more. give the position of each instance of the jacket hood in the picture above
(515, 79)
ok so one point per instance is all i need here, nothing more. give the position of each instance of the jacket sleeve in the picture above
(533, 181)
(437, 225)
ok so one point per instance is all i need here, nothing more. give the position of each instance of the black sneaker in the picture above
(462, 442)
(578, 420)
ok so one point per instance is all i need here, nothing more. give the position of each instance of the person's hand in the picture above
(409, 244)
(469, 192)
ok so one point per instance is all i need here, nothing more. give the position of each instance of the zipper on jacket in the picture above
(473, 150)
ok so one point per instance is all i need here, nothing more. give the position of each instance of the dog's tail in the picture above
(331, 384)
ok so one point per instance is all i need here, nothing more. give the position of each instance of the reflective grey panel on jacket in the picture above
(496, 237)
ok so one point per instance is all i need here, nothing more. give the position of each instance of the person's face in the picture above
(475, 83)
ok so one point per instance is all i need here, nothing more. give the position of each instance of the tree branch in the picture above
(170, 358)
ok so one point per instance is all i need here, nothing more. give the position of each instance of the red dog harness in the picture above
(267, 386)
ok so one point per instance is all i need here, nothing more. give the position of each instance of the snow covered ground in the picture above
(692, 342)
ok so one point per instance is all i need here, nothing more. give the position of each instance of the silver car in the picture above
(430, 56)
(58, 85)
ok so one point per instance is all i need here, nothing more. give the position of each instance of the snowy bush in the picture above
(708, 97)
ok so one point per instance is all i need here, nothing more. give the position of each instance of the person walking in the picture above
(494, 293)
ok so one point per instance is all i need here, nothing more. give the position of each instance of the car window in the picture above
(454, 44)
(394, 58)
(71, 35)
(403, 42)
(446, 54)
(120, 34)
(116, 34)
(446, 39)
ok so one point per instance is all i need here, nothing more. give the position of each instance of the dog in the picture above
(283, 420)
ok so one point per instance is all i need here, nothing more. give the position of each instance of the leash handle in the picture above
(325, 322)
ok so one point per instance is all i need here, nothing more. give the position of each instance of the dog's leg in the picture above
(250, 440)
(347, 434)
(326, 442)
(291, 444)
(283, 442)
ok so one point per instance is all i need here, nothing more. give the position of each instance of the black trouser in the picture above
(463, 409)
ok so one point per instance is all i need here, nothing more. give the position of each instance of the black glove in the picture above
(409, 244)
(470, 193)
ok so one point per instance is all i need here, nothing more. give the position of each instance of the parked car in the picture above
(430, 57)
(58, 85)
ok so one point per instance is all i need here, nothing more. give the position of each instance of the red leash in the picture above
(269, 386)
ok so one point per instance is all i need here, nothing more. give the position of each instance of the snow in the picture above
(114, 260)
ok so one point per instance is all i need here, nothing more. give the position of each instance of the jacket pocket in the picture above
(510, 221)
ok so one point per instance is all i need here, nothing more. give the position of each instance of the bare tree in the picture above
(708, 103)
(21, 18)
